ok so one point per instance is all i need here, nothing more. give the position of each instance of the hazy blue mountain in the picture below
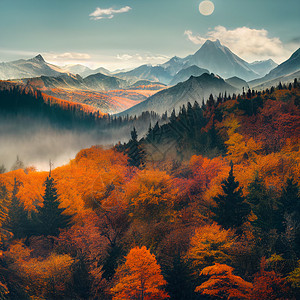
(33, 67)
(288, 67)
(194, 89)
(84, 71)
(98, 82)
(274, 82)
(102, 71)
(146, 83)
(238, 83)
(103, 82)
(174, 65)
(263, 67)
(185, 74)
(220, 60)
(147, 72)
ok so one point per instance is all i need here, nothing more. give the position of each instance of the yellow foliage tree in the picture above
(42, 276)
(139, 277)
(151, 196)
(210, 244)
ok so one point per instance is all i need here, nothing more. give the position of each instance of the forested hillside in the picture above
(206, 206)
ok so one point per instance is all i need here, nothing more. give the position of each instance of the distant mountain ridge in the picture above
(146, 72)
(85, 71)
(212, 56)
(98, 82)
(186, 73)
(194, 89)
(33, 67)
(263, 67)
(288, 67)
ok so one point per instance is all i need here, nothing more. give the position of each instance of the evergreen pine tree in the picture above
(2, 169)
(18, 222)
(134, 151)
(263, 205)
(180, 280)
(289, 201)
(50, 217)
(232, 210)
(18, 165)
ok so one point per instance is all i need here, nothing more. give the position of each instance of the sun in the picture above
(206, 8)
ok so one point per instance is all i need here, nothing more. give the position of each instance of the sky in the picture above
(118, 34)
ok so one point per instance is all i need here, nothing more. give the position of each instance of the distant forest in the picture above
(18, 101)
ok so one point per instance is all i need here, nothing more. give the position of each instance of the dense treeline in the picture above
(16, 101)
(204, 207)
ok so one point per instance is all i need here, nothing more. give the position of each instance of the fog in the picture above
(36, 141)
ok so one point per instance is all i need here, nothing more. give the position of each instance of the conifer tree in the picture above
(180, 280)
(51, 217)
(232, 210)
(18, 222)
(134, 151)
(262, 201)
(290, 200)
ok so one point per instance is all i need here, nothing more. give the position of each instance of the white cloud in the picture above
(248, 43)
(143, 58)
(67, 58)
(71, 55)
(107, 13)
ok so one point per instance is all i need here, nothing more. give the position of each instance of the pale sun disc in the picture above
(206, 8)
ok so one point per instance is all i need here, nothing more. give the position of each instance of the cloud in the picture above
(251, 44)
(71, 55)
(67, 58)
(107, 13)
(143, 58)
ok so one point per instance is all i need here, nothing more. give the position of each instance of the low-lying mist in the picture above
(36, 141)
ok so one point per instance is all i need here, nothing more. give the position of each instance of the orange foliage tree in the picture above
(139, 277)
(223, 284)
(46, 277)
(268, 285)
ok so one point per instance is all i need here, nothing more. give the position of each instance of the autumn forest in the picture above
(202, 204)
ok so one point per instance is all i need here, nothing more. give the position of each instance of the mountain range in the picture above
(213, 69)
(212, 57)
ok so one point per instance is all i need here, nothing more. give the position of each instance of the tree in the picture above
(223, 284)
(2, 169)
(294, 279)
(139, 277)
(18, 164)
(210, 244)
(262, 201)
(151, 196)
(4, 202)
(180, 280)
(289, 201)
(3, 291)
(46, 277)
(268, 285)
(232, 210)
(17, 221)
(134, 151)
(50, 217)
